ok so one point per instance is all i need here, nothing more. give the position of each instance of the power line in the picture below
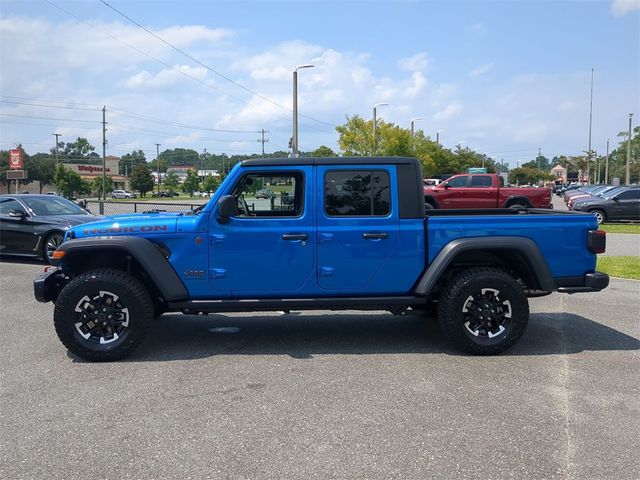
(47, 118)
(48, 106)
(208, 67)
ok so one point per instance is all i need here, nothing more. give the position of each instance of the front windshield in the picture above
(52, 205)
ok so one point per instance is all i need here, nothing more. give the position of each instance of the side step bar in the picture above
(279, 304)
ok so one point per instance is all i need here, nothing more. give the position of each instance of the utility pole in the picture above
(589, 153)
(263, 131)
(104, 153)
(627, 177)
(539, 153)
(57, 150)
(204, 155)
(158, 167)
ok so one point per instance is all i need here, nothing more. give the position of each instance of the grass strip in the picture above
(622, 267)
(611, 228)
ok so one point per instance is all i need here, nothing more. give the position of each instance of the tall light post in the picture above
(627, 176)
(438, 132)
(375, 123)
(412, 122)
(57, 149)
(294, 137)
(606, 166)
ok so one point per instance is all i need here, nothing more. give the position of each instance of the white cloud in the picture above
(450, 111)
(481, 70)
(622, 7)
(416, 63)
(165, 78)
(419, 83)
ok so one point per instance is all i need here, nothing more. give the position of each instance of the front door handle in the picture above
(295, 236)
(375, 236)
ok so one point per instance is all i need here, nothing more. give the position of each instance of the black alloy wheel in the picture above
(483, 311)
(103, 315)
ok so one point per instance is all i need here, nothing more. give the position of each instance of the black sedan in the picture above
(619, 204)
(34, 225)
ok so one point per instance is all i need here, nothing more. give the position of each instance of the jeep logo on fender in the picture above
(134, 229)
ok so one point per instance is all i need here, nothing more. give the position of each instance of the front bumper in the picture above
(591, 282)
(48, 285)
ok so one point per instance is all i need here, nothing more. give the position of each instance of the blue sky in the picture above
(500, 77)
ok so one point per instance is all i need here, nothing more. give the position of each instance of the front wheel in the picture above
(103, 315)
(483, 311)
(51, 244)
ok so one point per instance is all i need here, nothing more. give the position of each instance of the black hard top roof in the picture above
(256, 162)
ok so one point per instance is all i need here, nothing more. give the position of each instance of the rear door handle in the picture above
(295, 236)
(375, 236)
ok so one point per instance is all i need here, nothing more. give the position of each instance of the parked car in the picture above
(431, 182)
(34, 225)
(619, 204)
(165, 194)
(483, 191)
(265, 193)
(123, 194)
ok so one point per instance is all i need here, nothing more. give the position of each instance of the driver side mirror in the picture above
(17, 213)
(445, 186)
(615, 199)
(227, 208)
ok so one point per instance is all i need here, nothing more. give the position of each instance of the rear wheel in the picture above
(483, 311)
(600, 216)
(103, 315)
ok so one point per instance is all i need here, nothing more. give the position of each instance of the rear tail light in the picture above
(597, 241)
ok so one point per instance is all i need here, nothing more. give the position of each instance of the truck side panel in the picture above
(562, 240)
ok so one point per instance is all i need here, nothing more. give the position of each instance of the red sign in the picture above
(91, 168)
(15, 159)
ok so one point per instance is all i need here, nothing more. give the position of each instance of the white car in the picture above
(122, 194)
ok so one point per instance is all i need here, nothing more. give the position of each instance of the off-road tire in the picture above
(471, 293)
(122, 296)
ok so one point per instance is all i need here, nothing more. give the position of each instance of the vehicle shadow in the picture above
(23, 260)
(176, 337)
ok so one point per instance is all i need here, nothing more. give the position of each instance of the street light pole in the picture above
(375, 123)
(412, 121)
(438, 132)
(57, 150)
(627, 177)
(294, 138)
(158, 167)
(606, 166)
(589, 153)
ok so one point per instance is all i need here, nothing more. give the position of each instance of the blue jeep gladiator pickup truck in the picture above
(342, 233)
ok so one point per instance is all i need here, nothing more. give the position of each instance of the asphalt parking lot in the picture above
(324, 395)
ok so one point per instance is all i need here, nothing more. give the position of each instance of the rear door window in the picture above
(357, 193)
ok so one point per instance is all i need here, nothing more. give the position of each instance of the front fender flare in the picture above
(156, 266)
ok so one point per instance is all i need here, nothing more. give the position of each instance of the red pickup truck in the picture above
(483, 191)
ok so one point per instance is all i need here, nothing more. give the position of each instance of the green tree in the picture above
(191, 183)
(41, 168)
(130, 160)
(355, 136)
(80, 151)
(323, 151)
(141, 179)
(96, 185)
(69, 183)
(172, 181)
(180, 157)
(210, 184)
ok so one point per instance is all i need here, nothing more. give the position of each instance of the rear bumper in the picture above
(48, 285)
(591, 282)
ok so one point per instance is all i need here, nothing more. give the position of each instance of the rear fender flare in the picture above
(536, 261)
